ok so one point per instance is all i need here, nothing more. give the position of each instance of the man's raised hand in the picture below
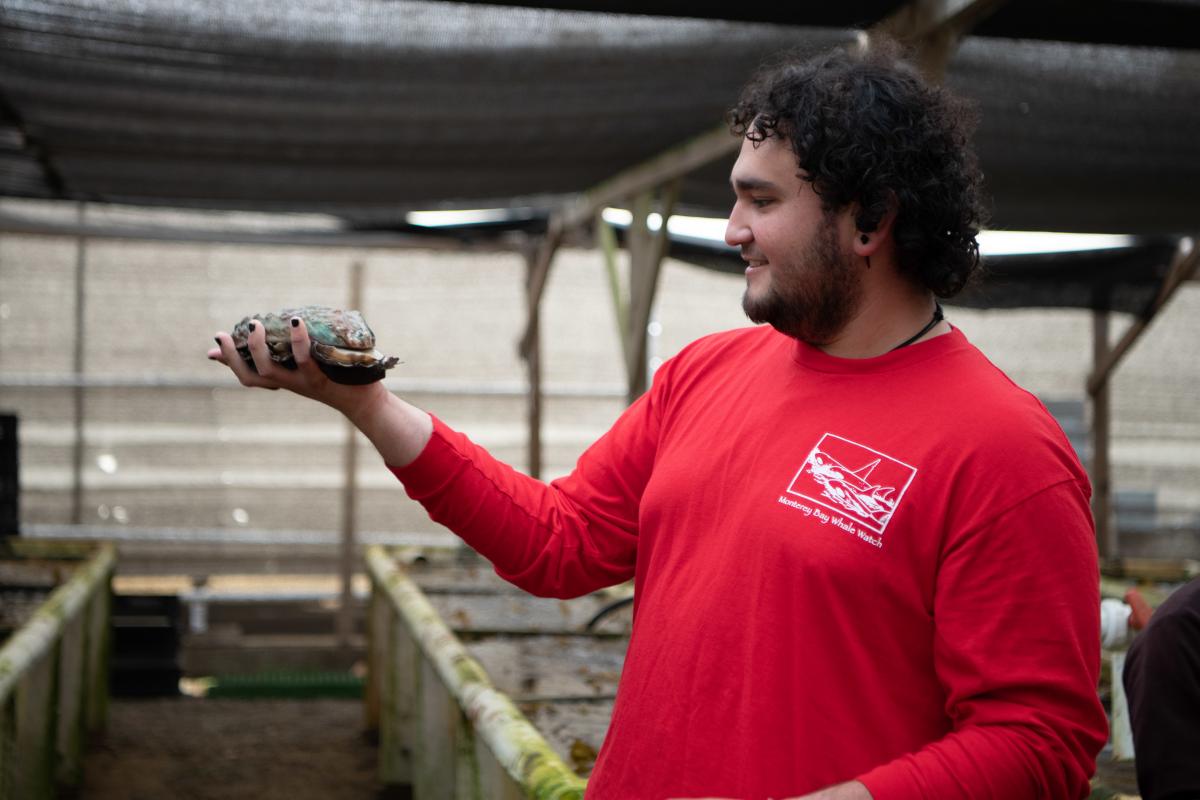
(398, 430)
(306, 379)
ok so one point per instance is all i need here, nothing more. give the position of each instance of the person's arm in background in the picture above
(1016, 615)
(1119, 620)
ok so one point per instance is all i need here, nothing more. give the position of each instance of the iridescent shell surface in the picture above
(343, 345)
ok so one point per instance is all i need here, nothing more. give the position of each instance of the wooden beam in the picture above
(533, 361)
(535, 280)
(922, 18)
(638, 241)
(933, 29)
(1183, 268)
(378, 648)
(1105, 359)
(662, 169)
(607, 240)
(1106, 535)
(645, 265)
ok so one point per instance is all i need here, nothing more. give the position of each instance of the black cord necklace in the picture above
(937, 317)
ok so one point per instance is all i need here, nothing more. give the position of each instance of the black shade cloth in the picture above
(369, 108)
(1119, 279)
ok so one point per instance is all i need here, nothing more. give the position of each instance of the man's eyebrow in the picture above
(753, 185)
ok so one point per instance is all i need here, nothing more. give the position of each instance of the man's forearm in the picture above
(398, 429)
(852, 790)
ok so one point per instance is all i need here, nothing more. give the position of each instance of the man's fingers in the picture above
(260, 353)
(227, 354)
(301, 347)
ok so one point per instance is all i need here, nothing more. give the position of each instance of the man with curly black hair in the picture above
(868, 135)
(863, 559)
(857, 207)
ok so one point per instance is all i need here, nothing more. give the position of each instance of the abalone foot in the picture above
(338, 373)
(352, 375)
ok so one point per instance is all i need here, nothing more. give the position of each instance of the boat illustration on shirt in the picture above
(852, 489)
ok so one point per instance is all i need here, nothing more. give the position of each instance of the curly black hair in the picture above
(867, 129)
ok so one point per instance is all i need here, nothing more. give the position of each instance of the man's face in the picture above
(800, 276)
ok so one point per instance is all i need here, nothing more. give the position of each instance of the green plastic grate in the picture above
(286, 685)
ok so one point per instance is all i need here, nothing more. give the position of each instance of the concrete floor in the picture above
(200, 749)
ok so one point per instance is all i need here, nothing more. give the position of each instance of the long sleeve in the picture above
(1017, 652)
(562, 539)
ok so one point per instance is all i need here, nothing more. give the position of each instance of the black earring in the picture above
(864, 238)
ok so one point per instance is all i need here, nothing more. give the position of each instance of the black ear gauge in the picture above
(864, 238)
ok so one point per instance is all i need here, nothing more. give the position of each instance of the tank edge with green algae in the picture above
(343, 345)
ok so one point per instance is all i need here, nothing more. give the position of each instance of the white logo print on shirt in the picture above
(861, 486)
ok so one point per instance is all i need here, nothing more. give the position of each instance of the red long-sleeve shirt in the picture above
(879, 569)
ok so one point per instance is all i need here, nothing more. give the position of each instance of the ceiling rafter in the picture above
(933, 28)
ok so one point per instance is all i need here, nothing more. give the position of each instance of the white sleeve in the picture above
(1114, 623)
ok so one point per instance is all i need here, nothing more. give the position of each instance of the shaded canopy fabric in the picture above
(1123, 279)
(356, 104)
(369, 108)
(1118, 279)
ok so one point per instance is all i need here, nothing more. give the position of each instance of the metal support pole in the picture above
(533, 362)
(77, 366)
(345, 618)
(1106, 534)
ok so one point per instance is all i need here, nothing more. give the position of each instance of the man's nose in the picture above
(737, 233)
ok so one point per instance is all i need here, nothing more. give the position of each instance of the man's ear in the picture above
(866, 243)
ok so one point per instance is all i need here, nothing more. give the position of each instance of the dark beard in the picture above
(815, 298)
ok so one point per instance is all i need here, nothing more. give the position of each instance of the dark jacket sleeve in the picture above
(1162, 683)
